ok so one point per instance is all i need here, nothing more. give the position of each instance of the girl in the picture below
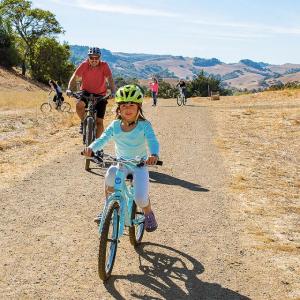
(58, 96)
(154, 90)
(132, 133)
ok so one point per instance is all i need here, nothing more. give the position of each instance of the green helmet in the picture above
(129, 93)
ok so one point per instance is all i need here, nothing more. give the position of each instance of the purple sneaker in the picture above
(150, 222)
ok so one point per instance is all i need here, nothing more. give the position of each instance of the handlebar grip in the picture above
(159, 163)
(93, 154)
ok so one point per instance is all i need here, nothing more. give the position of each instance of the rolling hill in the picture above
(246, 74)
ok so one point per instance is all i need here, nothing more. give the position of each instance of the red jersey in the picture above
(154, 87)
(93, 78)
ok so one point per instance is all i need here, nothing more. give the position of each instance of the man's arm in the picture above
(111, 85)
(73, 81)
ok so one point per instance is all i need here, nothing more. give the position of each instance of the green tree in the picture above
(8, 53)
(166, 90)
(203, 84)
(29, 24)
(50, 60)
(121, 81)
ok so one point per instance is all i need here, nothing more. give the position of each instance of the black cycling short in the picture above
(100, 106)
(59, 95)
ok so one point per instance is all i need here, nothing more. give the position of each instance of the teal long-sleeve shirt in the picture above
(131, 144)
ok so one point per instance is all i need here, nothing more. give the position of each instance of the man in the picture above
(93, 74)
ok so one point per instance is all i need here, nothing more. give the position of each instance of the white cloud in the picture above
(116, 8)
(253, 29)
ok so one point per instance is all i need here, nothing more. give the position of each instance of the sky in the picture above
(230, 30)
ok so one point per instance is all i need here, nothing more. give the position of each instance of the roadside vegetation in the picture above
(28, 40)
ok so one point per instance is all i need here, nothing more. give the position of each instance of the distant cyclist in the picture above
(134, 137)
(154, 90)
(182, 85)
(58, 97)
(94, 75)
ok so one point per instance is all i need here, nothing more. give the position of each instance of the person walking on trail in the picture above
(133, 135)
(182, 85)
(94, 75)
(154, 90)
(58, 97)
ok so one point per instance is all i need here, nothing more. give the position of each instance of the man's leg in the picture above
(80, 109)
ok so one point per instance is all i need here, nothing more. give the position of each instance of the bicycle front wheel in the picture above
(45, 107)
(179, 101)
(108, 241)
(136, 231)
(89, 134)
(65, 107)
(89, 137)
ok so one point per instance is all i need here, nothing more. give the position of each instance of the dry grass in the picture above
(21, 100)
(31, 138)
(259, 137)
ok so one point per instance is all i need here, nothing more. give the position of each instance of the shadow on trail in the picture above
(169, 274)
(156, 177)
(175, 105)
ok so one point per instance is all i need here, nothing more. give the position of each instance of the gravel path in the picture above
(49, 242)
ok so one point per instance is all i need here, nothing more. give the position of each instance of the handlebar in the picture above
(80, 95)
(139, 164)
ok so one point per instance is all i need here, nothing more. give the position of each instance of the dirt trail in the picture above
(49, 242)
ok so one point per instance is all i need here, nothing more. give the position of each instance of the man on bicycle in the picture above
(93, 74)
(182, 85)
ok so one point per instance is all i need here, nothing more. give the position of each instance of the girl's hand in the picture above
(87, 152)
(151, 160)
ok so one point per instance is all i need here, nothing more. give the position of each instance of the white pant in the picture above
(140, 182)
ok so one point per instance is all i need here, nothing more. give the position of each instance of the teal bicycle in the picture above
(120, 211)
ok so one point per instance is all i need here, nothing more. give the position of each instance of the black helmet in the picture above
(94, 51)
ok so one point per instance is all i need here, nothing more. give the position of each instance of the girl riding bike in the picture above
(132, 133)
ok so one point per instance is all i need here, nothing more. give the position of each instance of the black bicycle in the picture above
(59, 105)
(89, 122)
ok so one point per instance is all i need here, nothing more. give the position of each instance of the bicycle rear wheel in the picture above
(45, 107)
(179, 100)
(108, 241)
(136, 231)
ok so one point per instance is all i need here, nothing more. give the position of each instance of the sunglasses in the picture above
(94, 57)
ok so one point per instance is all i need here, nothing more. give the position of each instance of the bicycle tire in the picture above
(89, 137)
(45, 107)
(65, 107)
(89, 134)
(105, 266)
(179, 101)
(183, 100)
(136, 231)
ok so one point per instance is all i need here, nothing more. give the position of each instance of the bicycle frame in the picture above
(124, 195)
(90, 112)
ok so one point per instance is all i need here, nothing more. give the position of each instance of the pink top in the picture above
(153, 86)
(94, 78)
